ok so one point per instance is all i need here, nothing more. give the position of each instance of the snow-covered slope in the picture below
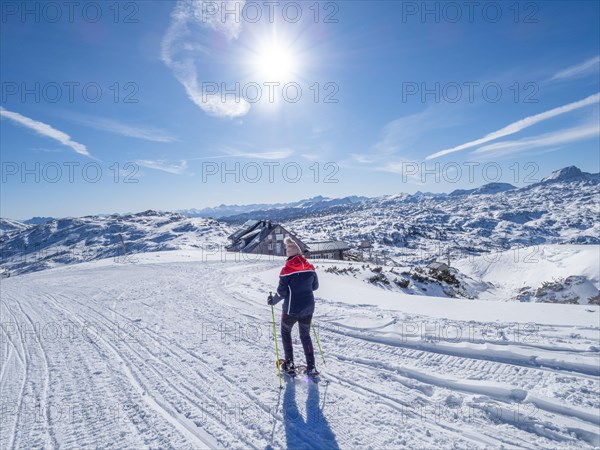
(175, 351)
(73, 240)
(8, 227)
(548, 273)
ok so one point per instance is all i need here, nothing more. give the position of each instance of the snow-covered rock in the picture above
(545, 273)
(571, 174)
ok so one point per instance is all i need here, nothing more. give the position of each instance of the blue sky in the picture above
(420, 96)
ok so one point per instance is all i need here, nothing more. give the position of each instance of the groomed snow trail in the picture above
(167, 353)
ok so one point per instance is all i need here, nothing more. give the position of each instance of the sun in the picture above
(276, 61)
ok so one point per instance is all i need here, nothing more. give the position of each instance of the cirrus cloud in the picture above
(181, 44)
(163, 166)
(46, 130)
(519, 125)
(589, 66)
(555, 138)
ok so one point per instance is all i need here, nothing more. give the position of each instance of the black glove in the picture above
(270, 300)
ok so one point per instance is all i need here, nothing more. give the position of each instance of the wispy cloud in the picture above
(361, 158)
(398, 167)
(587, 67)
(46, 130)
(310, 156)
(270, 154)
(181, 44)
(402, 137)
(401, 132)
(164, 166)
(519, 125)
(556, 138)
(398, 135)
(123, 129)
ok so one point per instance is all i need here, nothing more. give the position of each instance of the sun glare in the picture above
(276, 61)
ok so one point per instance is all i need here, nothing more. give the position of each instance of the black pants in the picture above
(287, 323)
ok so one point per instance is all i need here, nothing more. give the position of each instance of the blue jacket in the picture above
(297, 281)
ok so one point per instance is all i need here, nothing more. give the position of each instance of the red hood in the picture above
(296, 264)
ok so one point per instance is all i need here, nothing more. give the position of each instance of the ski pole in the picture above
(276, 346)
(319, 344)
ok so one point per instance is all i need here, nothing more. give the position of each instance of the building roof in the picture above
(256, 237)
(248, 226)
(250, 235)
(253, 233)
(327, 246)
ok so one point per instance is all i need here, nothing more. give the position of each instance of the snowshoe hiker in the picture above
(297, 281)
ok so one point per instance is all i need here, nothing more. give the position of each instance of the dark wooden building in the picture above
(262, 237)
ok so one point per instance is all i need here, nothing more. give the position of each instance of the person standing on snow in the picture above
(297, 281)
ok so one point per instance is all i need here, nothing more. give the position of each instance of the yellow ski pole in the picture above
(276, 346)
(319, 344)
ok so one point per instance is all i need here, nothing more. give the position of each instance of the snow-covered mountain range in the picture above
(242, 212)
(69, 240)
(406, 231)
(562, 208)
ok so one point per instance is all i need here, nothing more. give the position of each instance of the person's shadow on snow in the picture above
(312, 433)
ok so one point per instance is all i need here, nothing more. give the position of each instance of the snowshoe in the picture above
(313, 373)
(287, 367)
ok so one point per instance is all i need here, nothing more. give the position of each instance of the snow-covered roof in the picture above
(249, 226)
(250, 235)
(247, 238)
(327, 246)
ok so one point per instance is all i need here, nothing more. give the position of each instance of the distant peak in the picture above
(316, 198)
(490, 188)
(564, 173)
(494, 188)
(571, 173)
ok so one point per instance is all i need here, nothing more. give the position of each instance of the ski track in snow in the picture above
(181, 355)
